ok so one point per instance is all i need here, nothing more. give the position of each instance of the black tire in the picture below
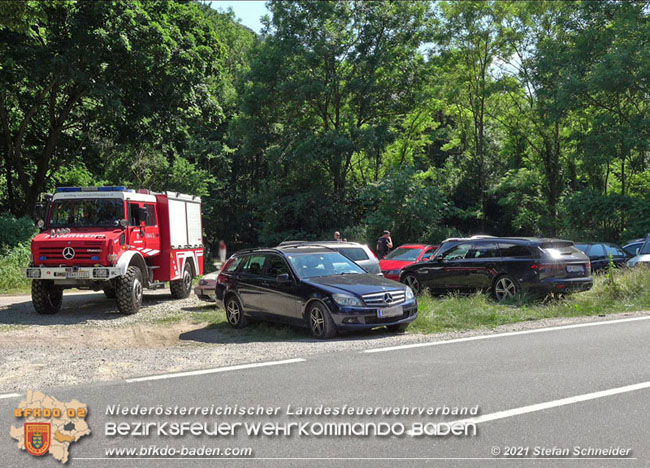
(320, 321)
(412, 282)
(235, 312)
(46, 297)
(128, 291)
(109, 292)
(505, 287)
(399, 328)
(182, 287)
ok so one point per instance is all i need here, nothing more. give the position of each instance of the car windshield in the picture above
(403, 253)
(87, 212)
(312, 265)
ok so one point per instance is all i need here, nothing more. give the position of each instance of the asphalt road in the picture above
(562, 388)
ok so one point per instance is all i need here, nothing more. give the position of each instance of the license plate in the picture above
(77, 274)
(394, 311)
(575, 268)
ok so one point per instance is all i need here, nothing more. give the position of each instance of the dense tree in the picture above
(429, 119)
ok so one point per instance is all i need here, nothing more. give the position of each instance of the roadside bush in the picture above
(15, 231)
(11, 279)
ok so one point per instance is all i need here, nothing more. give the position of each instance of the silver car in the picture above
(642, 254)
(207, 287)
(358, 253)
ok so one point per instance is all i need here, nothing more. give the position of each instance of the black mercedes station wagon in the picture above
(311, 286)
(503, 266)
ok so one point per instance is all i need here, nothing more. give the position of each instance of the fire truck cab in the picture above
(118, 240)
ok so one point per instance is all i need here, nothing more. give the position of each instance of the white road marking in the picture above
(216, 370)
(10, 395)
(550, 404)
(502, 335)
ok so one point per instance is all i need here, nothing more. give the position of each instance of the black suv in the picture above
(311, 286)
(505, 266)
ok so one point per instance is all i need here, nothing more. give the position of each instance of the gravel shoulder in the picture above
(89, 342)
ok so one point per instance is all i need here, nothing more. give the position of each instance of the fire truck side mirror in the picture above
(124, 223)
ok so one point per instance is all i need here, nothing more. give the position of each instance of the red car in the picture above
(403, 256)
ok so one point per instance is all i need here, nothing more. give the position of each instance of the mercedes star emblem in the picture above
(68, 253)
(388, 298)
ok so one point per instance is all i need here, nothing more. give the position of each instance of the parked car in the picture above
(632, 248)
(599, 254)
(205, 290)
(311, 286)
(404, 255)
(505, 266)
(643, 254)
(358, 253)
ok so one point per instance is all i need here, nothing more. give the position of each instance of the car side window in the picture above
(457, 253)
(276, 266)
(254, 264)
(513, 250)
(597, 250)
(484, 250)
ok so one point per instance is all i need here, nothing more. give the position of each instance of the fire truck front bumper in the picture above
(98, 273)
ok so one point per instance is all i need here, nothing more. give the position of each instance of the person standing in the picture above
(384, 244)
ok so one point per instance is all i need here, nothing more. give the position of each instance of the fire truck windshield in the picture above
(87, 212)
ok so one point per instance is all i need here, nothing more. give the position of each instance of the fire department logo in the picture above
(68, 253)
(37, 438)
(49, 425)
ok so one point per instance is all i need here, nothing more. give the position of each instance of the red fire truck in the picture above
(118, 240)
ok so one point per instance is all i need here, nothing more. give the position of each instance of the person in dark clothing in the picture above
(384, 244)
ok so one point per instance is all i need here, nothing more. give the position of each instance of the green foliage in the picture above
(429, 119)
(407, 203)
(15, 231)
(11, 264)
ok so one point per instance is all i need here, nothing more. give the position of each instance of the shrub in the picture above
(11, 265)
(15, 231)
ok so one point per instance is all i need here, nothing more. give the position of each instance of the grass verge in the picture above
(625, 290)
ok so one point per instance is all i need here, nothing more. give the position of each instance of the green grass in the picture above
(11, 276)
(626, 290)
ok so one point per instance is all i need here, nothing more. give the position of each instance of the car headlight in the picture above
(345, 300)
(393, 272)
(409, 293)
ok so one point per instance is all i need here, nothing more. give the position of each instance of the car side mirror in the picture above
(124, 223)
(284, 278)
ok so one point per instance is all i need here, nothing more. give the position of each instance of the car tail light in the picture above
(548, 269)
(588, 266)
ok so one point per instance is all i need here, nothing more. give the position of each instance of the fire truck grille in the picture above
(89, 253)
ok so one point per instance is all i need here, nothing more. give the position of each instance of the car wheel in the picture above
(505, 287)
(235, 312)
(321, 324)
(399, 328)
(413, 282)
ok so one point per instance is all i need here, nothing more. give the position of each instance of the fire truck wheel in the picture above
(46, 297)
(129, 291)
(109, 291)
(181, 288)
